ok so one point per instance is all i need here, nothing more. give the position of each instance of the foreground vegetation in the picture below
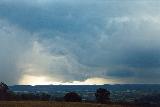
(70, 99)
(58, 104)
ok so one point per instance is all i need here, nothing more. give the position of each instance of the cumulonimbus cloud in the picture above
(67, 41)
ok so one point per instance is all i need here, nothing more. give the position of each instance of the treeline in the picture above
(102, 96)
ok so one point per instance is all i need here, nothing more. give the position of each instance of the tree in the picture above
(72, 97)
(4, 91)
(102, 95)
(3, 87)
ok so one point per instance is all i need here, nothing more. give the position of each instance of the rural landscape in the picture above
(128, 95)
(79, 53)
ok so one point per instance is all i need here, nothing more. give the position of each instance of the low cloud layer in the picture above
(67, 41)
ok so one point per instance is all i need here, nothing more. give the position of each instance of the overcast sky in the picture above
(79, 41)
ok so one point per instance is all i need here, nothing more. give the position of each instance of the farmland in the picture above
(56, 104)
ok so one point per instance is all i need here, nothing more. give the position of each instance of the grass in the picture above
(55, 104)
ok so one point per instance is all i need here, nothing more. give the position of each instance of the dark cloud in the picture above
(120, 74)
(74, 41)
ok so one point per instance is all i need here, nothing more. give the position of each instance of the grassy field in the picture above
(55, 104)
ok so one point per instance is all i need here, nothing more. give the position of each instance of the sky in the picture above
(79, 41)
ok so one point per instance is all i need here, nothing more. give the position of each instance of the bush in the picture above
(102, 95)
(72, 97)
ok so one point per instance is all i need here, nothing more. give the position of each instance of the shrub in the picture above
(102, 95)
(72, 97)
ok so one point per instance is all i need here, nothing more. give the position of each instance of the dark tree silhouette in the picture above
(102, 95)
(72, 97)
(3, 87)
(4, 91)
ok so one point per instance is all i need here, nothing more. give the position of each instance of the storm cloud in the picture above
(67, 40)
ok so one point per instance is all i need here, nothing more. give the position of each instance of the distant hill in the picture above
(61, 88)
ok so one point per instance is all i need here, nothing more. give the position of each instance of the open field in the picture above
(55, 104)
